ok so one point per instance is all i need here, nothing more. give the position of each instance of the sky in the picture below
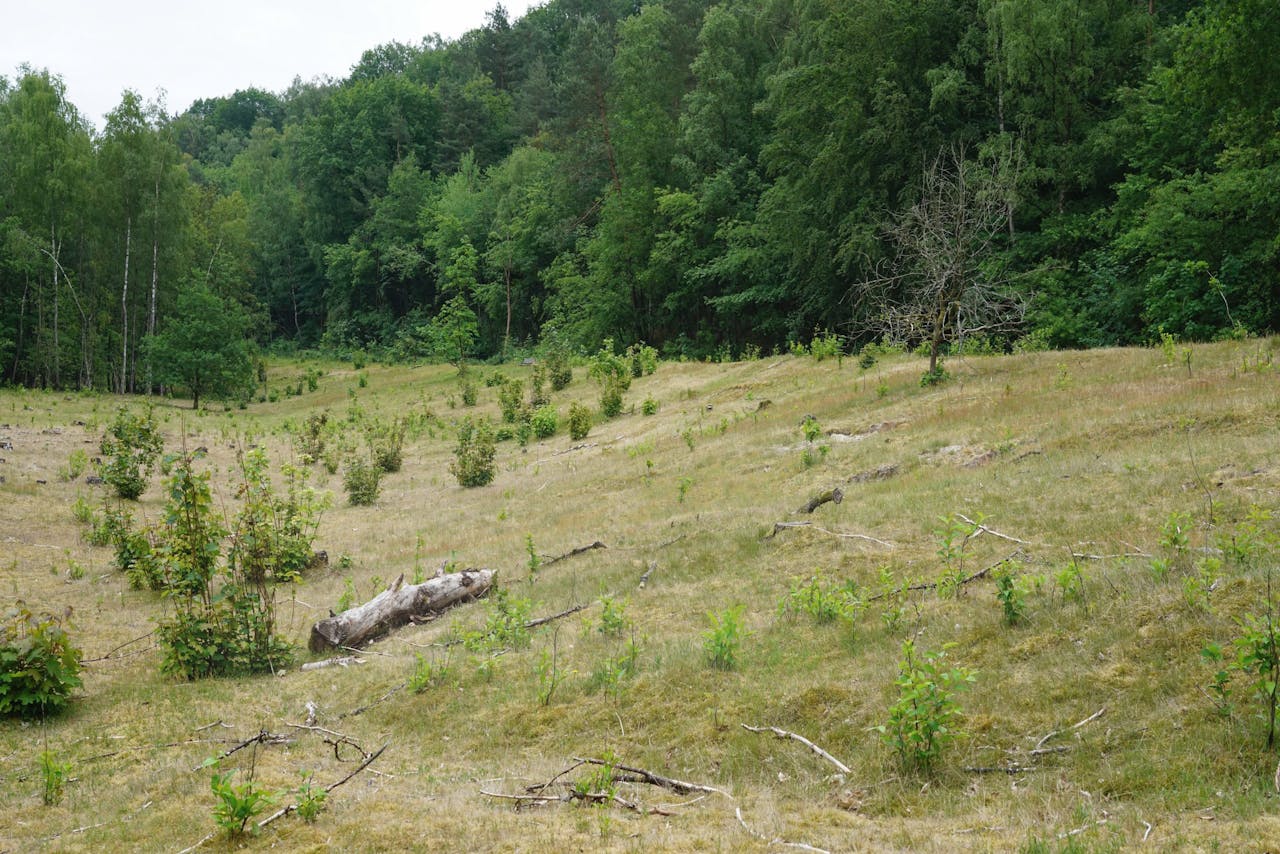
(211, 48)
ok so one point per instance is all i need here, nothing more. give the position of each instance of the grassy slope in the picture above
(1088, 452)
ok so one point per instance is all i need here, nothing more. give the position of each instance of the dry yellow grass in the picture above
(1085, 452)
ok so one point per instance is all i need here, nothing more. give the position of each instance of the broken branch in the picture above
(831, 495)
(783, 526)
(574, 553)
(784, 734)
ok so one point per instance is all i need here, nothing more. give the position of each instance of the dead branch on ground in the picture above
(931, 585)
(786, 526)
(263, 737)
(341, 661)
(784, 734)
(574, 553)
(369, 760)
(776, 840)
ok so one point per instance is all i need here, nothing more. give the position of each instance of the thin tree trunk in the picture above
(53, 250)
(506, 341)
(155, 274)
(124, 309)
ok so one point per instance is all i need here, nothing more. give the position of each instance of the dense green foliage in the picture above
(705, 176)
(39, 666)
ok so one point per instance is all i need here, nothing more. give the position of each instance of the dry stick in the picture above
(982, 573)
(380, 700)
(979, 528)
(644, 579)
(542, 621)
(263, 737)
(802, 846)
(680, 787)
(574, 553)
(783, 526)
(327, 789)
(342, 661)
(1093, 717)
(782, 733)
(1080, 830)
(108, 755)
(118, 648)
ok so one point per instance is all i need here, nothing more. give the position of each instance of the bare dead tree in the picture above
(944, 281)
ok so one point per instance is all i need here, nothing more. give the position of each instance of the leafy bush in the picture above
(76, 465)
(53, 775)
(922, 720)
(238, 804)
(826, 345)
(470, 394)
(310, 798)
(938, 376)
(545, 421)
(386, 444)
(722, 640)
(559, 370)
(213, 632)
(312, 436)
(39, 666)
(473, 464)
(505, 625)
(642, 358)
(131, 446)
(823, 602)
(362, 480)
(579, 421)
(538, 395)
(649, 407)
(611, 396)
(274, 533)
(510, 400)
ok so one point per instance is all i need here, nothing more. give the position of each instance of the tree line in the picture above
(704, 176)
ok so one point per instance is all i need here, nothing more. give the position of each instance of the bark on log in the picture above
(836, 495)
(396, 606)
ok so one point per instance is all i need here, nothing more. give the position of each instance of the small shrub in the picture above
(53, 776)
(613, 618)
(1010, 594)
(922, 721)
(386, 444)
(131, 446)
(643, 359)
(473, 457)
(611, 396)
(823, 602)
(510, 400)
(312, 437)
(544, 421)
(826, 345)
(310, 799)
(362, 481)
(470, 394)
(649, 407)
(722, 640)
(76, 465)
(39, 666)
(427, 673)
(504, 626)
(938, 376)
(237, 805)
(559, 370)
(538, 395)
(579, 421)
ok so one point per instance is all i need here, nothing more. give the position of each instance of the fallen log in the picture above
(836, 495)
(396, 606)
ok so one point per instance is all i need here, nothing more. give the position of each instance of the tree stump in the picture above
(396, 606)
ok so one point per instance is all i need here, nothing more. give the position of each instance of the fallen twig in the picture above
(114, 650)
(1093, 717)
(542, 621)
(574, 553)
(979, 528)
(337, 740)
(1082, 829)
(379, 701)
(775, 841)
(783, 526)
(341, 661)
(263, 737)
(680, 787)
(782, 733)
(982, 573)
(369, 759)
(644, 579)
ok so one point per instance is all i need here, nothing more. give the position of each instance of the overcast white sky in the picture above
(213, 47)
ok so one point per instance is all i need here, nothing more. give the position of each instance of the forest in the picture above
(712, 178)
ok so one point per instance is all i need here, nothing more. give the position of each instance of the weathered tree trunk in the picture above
(395, 606)
(124, 310)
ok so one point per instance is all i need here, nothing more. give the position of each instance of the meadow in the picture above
(1070, 530)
